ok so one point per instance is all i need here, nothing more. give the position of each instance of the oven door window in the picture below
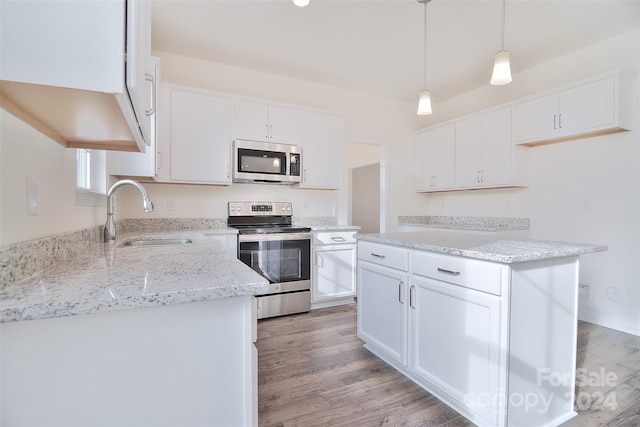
(278, 261)
(258, 161)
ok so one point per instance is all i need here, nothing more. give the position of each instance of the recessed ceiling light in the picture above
(301, 3)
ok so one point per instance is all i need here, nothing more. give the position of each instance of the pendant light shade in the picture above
(424, 104)
(501, 67)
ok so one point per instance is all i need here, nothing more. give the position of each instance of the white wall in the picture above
(25, 152)
(601, 172)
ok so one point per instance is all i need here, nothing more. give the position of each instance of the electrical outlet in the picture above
(171, 204)
(32, 196)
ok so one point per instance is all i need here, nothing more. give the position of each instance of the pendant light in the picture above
(424, 104)
(501, 68)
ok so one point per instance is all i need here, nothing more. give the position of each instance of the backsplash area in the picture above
(467, 222)
(24, 259)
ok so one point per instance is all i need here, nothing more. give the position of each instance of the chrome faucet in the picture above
(110, 226)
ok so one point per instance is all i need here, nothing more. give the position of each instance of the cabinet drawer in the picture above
(483, 276)
(334, 237)
(389, 256)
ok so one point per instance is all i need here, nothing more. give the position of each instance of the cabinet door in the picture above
(434, 156)
(382, 315)
(536, 119)
(285, 125)
(468, 153)
(497, 161)
(200, 138)
(140, 71)
(322, 150)
(138, 165)
(334, 273)
(455, 343)
(588, 107)
(252, 121)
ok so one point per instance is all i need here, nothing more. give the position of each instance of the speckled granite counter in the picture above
(487, 248)
(108, 277)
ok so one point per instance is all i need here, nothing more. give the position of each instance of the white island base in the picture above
(189, 364)
(495, 341)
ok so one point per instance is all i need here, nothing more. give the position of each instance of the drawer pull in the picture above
(338, 239)
(400, 286)
(377, 255)
(444, 270)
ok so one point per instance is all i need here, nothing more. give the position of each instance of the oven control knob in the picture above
(289, 208)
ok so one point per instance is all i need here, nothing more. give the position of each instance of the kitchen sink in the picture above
(157, 242)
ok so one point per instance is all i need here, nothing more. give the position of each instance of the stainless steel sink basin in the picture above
(157, 242)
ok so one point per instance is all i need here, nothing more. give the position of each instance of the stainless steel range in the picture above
(278, 251)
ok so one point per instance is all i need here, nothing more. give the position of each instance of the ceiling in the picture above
(377, 46)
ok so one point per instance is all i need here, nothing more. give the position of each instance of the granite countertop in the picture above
(489, 248)
(109, 277)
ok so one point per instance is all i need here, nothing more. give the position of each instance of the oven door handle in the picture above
(272, 237)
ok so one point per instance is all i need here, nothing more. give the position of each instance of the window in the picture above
(91, 177)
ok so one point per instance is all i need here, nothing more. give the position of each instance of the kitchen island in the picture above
(133, 335)
(486, 324)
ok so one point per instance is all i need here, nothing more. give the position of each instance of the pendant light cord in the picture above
(503, 22)
(425, 44)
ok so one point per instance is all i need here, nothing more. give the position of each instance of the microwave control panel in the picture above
(294, 161)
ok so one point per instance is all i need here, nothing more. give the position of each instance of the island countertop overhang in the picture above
(482, 247)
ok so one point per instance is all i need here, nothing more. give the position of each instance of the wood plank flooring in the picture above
(313, 371)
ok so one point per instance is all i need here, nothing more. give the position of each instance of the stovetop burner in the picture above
(270, 229)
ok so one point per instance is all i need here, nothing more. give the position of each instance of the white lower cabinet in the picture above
(486, 338)
(462, 356)
(382, 300)
(333, 280)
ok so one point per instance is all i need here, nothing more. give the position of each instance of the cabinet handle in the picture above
(555, 116)
(151, 111)
(159, 160)
(400, 286)
(270, 131)
(411, 296)
(482, 175)
(444, 270)
(338, 239)
(266, 129)
(560, 120)
(304, 177)
(477, 176)
(319, 261)
(377, 255)
(228, 170)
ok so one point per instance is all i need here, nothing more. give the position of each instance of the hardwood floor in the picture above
(313, 371)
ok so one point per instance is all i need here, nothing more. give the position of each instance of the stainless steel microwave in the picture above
(266, 162)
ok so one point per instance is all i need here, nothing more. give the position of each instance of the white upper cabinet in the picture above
(141, 166)
(140, 70)
(434, 159)
(194, 136)
(597, 107)
(323, 137)
(269, 123)
(483, 153)
(76, 70)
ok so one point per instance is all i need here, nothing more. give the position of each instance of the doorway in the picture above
(366, 163)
